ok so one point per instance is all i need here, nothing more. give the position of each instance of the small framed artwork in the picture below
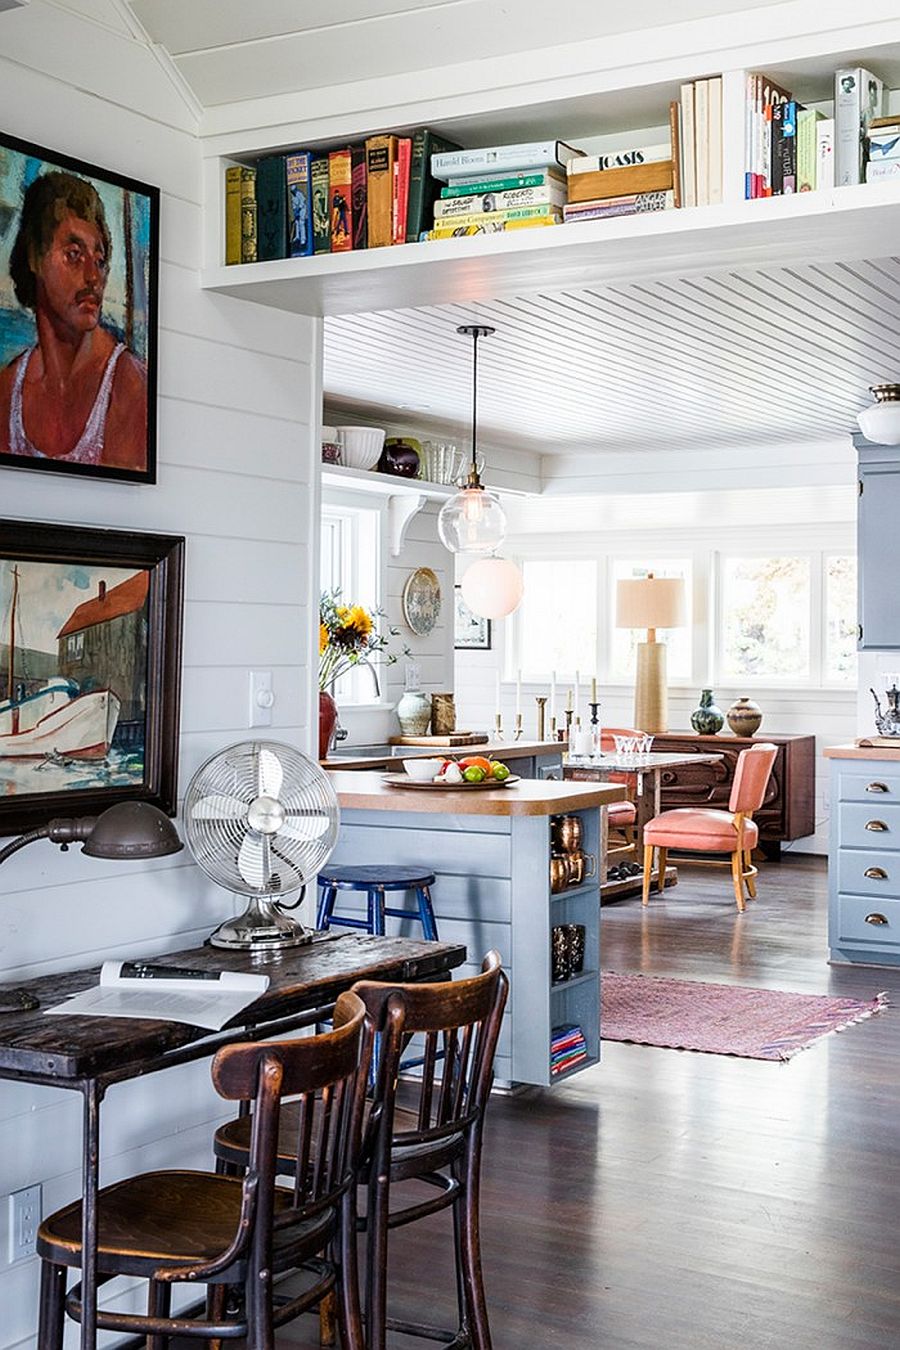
(79, 261)
(470, 631)
(91, 670)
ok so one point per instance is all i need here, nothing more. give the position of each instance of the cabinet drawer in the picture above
(870, 825)
(859, 921)
(883, 868)
(878, 782)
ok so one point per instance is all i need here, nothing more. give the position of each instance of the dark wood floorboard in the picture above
(667, 1200)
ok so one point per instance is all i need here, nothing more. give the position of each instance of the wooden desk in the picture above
(89, 1054)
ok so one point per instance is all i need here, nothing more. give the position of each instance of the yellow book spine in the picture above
(233, 214)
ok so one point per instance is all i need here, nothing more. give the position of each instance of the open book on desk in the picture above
(203, 998)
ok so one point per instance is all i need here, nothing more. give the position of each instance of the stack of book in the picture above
(696, 122)
(623, 182)
(883, 149)
(567, 1048)
(500, 188)
(790, 148)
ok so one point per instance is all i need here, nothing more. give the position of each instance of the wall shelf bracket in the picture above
(401, 509)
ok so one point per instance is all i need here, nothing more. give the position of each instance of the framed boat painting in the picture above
(90, 670)
(79, 261)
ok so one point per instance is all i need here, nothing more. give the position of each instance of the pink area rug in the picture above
(722, 1019)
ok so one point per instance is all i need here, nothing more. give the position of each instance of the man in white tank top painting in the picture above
(78, 395)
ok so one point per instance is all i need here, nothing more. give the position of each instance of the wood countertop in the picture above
(359, 791)
(861, 752)
(504, 750)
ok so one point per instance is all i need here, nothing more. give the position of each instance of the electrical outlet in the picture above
(24, 1219)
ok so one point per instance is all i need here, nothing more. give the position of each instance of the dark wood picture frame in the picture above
(138, 252)
(466, 639)
(162, 557)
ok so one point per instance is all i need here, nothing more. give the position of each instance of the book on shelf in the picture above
(248, 215)
(500, 201)
(423, 186)
(714, 139)
(858, 97)
(381, 153)
(774, 116)
(233, 214)
(340, 199)
(271, 208)
(675, 149)
(688, 159)
(523, 155)
(359, 196)
(656, 177)
(884, 142)
(542, 211)
(619, 159)
(762, 94)
(511, 182)
(400, 190)
(807, 122)
(825, 153)
(701, 141)
(321, 210)
(489, 225)
(638, 203)
(882, 170)
(299, 204)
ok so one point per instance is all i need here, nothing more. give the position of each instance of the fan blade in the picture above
(252, 861)
(305, 825)
(270, 775)
(219, 807)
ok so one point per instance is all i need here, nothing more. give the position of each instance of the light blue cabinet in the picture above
(864, 861)
(879, 513)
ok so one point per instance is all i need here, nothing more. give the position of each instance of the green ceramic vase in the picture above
(707, 718)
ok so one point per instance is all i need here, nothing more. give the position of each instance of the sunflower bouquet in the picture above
(348, 637)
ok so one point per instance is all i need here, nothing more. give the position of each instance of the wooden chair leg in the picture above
(648, 873)
(349, 1312)
(661, 856)
(216, 1310)
(52, 1316)
(159, 1305)
(328, 1321)
(470, 1258)
(737, 874)
(750, 877)
(376, 1262)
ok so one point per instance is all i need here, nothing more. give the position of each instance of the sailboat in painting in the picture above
(55, 719)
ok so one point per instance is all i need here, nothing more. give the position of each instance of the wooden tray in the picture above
(403, 780)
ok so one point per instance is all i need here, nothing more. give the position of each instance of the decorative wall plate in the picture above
(422, 601)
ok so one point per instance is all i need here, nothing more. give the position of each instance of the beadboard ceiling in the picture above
(781, 355)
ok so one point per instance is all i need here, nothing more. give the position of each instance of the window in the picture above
(765, 610)
(839, 665)
(349, 561)
(75, 646)
(623, 641)
(557, 622)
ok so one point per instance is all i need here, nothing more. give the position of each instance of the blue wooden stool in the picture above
(376, 881)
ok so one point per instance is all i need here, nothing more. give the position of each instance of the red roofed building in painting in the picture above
(103, 645)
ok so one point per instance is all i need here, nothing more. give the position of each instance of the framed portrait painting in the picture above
(90, 670)
(471, 632)
(79, 261)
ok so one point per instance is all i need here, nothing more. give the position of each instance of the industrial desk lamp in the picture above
(650, 602)
(126, 831)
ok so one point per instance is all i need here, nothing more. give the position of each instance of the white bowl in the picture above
(361, 446)
(423, 770)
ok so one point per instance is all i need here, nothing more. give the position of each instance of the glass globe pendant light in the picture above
(472, 520)
(881, 422)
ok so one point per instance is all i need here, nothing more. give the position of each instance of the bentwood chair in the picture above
(704, 830)
(435, 1139)
(206, 1229)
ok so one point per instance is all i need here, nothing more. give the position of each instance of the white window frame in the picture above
(812, 679)
(361, 528)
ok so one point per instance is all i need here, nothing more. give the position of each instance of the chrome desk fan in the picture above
(261, 819)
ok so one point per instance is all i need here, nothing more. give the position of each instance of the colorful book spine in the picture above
(500, 201)
(452, 229)
(464, 187)
(807, 120)
(340, 198)
(248, 215)
(400, 190)
(825, 153)
(637, 204)
(512, 158)
(299, 191)
(233, 214)
(789, 148)
(858, 97)
(321, 210)
(381, 152)
(545, 211)
(271, 208)
(359, 193)
(884, 145)
(619, 159)
(423, 186)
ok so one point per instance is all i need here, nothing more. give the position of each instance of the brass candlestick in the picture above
(498, 726)
(541, 702)
(595, 728)
(517, 734)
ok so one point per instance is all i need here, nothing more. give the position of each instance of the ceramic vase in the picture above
(414, 712)
(707, 718)
(744, 717)
(327, 722)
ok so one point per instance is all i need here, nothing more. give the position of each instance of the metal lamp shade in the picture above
(133, 830)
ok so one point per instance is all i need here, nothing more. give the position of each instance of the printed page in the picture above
(200, 998)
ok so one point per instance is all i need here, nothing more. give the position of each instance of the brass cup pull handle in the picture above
(877, 787)
(876, 873)
(878, 919)
(590, 866)
(878, 826)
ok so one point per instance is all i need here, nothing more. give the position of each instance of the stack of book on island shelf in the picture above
(567, 1048)
(500, 188)
(791, 148)
(626, 182)
(374, 194)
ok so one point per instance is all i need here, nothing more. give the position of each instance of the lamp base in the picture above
(261, 927)
(651, 702)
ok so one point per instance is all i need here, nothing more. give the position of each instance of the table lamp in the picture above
(650, 602)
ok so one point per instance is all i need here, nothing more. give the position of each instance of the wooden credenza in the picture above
(788, 810)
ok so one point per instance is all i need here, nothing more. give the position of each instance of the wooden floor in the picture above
(677, 1201)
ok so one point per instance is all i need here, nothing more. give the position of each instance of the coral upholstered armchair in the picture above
(704, 830)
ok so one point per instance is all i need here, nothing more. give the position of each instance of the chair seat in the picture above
(161, 1220)
(361, 878)
(700, 828)
(621, 813)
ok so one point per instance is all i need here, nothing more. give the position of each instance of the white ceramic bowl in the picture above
(423, 770)
(361, 446)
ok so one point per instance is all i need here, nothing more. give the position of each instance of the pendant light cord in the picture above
(475, 337)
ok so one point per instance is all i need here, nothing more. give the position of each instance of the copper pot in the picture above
(568, 833)
(559, 872)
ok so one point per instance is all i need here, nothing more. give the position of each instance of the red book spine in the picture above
(400, 202)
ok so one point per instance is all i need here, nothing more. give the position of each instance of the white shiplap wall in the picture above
(238, 400)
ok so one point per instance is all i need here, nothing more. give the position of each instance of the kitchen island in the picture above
(531, 759)
(490, 851)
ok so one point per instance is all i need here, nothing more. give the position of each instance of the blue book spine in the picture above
(299, 206)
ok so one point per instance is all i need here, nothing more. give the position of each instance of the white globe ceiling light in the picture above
(493, 587)
(881, 422)
(472, 520)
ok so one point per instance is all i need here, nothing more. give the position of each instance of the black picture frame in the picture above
(149, 760)
(471, 632)
(128, 312)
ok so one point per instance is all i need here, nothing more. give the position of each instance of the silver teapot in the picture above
(888, 722)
